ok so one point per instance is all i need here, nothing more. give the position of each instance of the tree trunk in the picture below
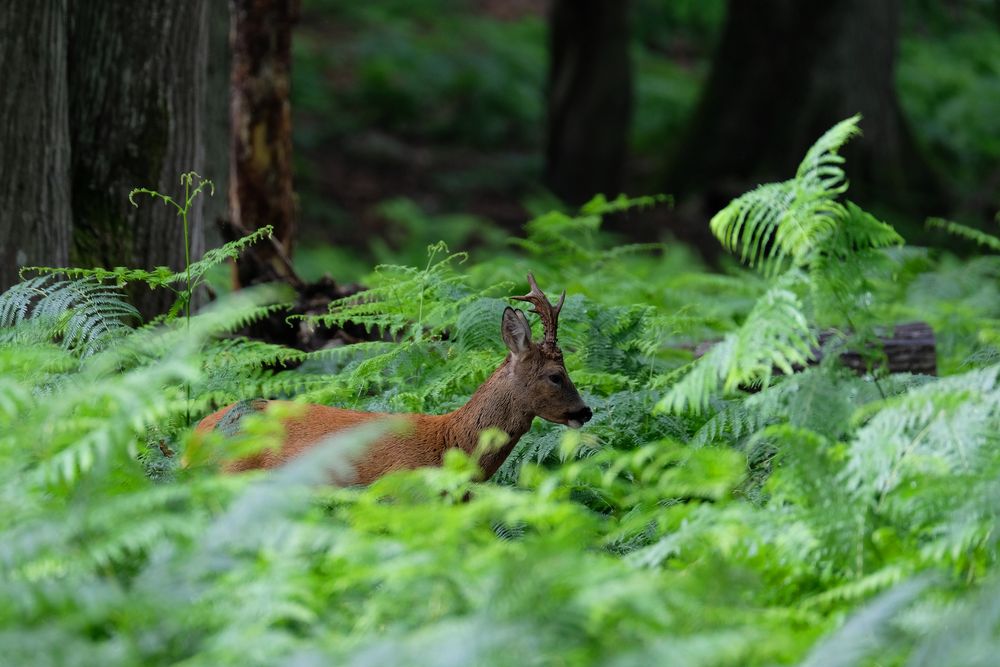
(260, 183)
(784, 72)
(218, 129)
(137, 94)
(589, 98)
(35, 218)
(260, 179)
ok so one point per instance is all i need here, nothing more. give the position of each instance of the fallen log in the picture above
(910, 348)
(311, 298)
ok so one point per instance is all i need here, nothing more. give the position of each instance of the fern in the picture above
(817, 247)
(944, 426)
(727, 527)
(775, 335)
(161, 276)
(405, 302)
(800, 221)
(861, 635)
(782, 223)
(976, 236)
(85, 315)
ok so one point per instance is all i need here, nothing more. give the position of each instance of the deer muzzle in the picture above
(578, 418)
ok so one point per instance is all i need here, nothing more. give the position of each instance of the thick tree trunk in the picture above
(784, 72)
(260, 182)
(589, 98)
(35, 218)
(217, 118)
(137, 86)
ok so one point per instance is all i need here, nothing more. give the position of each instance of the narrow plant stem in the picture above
(186, 179)
(420, 307)
(187, 253)
(187, 299)
(850, 323)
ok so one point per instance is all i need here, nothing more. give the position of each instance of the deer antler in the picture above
(548, 313)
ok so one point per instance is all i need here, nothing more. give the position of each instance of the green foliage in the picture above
(799, 222)
(775, 335)
(85, 315)
(489, 93)
(820, 254)
(948, 75)
(975, 235)
(193, 186)
(714, 512)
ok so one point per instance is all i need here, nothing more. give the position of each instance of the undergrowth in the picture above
(730, 509)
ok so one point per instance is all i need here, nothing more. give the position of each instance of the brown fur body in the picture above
(422, 445)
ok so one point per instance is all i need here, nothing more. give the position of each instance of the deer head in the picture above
(538, 368)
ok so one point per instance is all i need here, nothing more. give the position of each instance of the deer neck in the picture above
(497, 404)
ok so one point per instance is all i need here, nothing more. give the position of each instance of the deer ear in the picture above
(515, 331)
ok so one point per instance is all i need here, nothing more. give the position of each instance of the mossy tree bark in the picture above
(589, 98)
(137, 98)
(783, 73)
(35, 214)
(260, 182)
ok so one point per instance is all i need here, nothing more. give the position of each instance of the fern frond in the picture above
(775, 335)
(941, 427)
(556, 234)
(406, 302)
(859, 231)
(477, 325)
(600, 205)
(732, 423)
(120, 275)
(865, 632)
(782, 224)
(859, 589)
(85, 315)
(160, 276)
(965, 232)
(216, 256)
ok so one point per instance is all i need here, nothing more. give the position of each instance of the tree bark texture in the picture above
(260, 181)
(35, 214)
(137, 87)
(784, 72)
(218, 131)
(589, 97)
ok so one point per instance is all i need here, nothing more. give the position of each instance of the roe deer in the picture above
(531, 382)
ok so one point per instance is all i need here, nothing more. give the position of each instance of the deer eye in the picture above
(556, 379)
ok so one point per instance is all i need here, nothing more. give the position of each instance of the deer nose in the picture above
(582, 415)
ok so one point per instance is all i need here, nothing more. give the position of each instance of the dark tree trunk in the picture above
(260, 179)
(260, 182)
(137, 86)
(217, 123)
(784, 72)
(35, 217)
(589, 98)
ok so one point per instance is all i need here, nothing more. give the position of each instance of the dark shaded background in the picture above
(419, 120)
(410, 117)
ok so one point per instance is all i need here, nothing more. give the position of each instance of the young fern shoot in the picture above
(188, 181)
